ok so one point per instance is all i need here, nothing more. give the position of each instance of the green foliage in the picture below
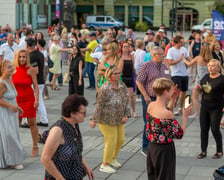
(141, 26)
(219, 6)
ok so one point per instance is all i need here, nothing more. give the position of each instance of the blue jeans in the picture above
(145, 141)
(90, 71)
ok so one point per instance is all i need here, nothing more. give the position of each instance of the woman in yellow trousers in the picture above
(111, 112)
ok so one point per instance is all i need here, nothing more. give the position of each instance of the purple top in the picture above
(150, 71)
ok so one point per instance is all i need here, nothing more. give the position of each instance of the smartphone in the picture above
(187, 101)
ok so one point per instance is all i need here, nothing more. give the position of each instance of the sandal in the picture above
(55, 88)
(35, 151)
(217, 155)
(135, 115)
(201, 155)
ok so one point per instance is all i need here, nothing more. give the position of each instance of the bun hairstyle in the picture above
(162, 84)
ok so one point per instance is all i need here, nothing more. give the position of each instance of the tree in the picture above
(219, 6)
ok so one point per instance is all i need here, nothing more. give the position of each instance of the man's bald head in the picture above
(10, 39)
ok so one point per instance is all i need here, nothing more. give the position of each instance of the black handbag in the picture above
(219, 173)
(50, 62)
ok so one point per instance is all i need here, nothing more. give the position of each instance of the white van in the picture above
(207, 23)
(93, 22)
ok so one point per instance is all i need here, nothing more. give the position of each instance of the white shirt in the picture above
(139, 59)
(22, 43)
(7, 51)
(178, 69)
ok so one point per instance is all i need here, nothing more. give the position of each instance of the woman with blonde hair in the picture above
(212, 88)
(162, 129)
(55, 55)
(111, 112)
(11, 151)
(23, 79)
(202, 69)
(111, 58)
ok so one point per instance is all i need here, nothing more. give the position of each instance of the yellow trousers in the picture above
(113, 140)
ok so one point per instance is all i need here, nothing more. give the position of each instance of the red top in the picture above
(162, 131)
(23, 85)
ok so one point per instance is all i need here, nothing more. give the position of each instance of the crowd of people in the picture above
(119, 66)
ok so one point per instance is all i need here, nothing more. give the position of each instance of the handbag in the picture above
(66, 77)
(50, 62)
(219, 173)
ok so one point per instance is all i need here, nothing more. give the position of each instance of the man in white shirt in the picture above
(7, 50)
(179, 73)
(22, 43)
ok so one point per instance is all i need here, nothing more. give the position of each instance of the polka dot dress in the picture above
(68, 156)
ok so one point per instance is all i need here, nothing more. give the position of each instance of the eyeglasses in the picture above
(83, 113)
(118, 73)
(159, 54)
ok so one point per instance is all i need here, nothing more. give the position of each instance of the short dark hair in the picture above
(177, 39)
(41, 42)
(29, 32)
(72, 104)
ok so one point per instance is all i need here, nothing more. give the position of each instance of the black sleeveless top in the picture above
(127, 73)
(68, 156)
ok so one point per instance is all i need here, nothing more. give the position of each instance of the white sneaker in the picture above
(17, 166)
(144, 152)
(138, 100)
(115, 163)
(107, 169)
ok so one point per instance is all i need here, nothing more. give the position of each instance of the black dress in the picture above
(68, 156)
(219, 56)
(74, 87)
(127, 73)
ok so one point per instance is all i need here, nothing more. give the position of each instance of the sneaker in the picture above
(42, 124)
(25, 125)
(115, 163)
(194, 116)
(107, 169)
(17, 166)
(138, 100)
(144, 152)
(178, 112)
(222, 125)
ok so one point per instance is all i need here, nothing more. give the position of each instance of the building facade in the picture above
(16, 13)
(188, 12)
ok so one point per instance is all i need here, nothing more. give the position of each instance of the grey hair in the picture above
(155, 50)
(150, 46)
(106, 40)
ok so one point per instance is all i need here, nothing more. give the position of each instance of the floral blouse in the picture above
(162, 131)
(112, 104)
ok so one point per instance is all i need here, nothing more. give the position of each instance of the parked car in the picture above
(207, 23)
(42, 20)
(134, 19)
(93, 22)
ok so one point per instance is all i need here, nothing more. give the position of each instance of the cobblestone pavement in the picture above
(133, 162)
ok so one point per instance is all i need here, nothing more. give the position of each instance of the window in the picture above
(100, 10)
(133, 11)
(119, 12)
(109, 19)
(148, 12)
(99, 19)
